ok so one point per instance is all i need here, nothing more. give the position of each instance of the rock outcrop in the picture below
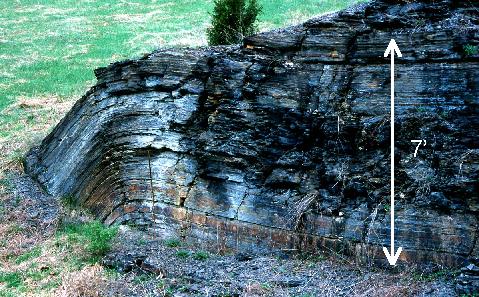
(283, 142)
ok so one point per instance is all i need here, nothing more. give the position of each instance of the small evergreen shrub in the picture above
(232, 20)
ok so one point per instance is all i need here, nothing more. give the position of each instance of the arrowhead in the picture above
(392, 259)
(392, 47)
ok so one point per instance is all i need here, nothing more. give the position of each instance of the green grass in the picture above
(172, 242)
(11, 279)
(7, 293)
(182, 254)
(54, 283)
(49, 48)
(94, 237)
(201, 255)
(142, 278)
(14, 229)
(34, 253)
(387, 207)
(433, 276)
(11, 284)
(142, 241)
(19, 282)
(312, 257)
(68, 201)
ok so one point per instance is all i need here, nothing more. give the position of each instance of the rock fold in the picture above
(283, 142)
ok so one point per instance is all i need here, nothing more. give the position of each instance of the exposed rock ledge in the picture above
(284, 141)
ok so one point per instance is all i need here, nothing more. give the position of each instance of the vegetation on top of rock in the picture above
(232, 20)
(470, 50)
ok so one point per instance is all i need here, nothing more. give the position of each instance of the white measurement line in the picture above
(392, 257)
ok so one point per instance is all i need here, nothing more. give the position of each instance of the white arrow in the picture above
(392, 257)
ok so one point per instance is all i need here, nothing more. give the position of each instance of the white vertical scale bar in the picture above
(392, 256)
(392, 153)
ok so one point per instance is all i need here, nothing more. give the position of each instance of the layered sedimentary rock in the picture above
(283, 142)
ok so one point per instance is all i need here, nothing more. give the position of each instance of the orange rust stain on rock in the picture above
(171, 192)
(279, 237)
(144, 209)
(178, 213)
(134, 188)
(128, 208)
(198, 219)
(231, 227)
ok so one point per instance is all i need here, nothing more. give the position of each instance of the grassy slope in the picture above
(49, 48)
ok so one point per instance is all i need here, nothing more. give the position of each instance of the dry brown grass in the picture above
(37, 116)
(383, 285)
(52, 270)
(88, 282)
(20, 233)
(256, 289)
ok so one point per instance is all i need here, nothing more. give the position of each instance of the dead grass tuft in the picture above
(40, 103)
(19, 235)
(387, 285)
(255, 289)
(88, 282)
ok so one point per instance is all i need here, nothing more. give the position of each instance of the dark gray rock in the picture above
(439, 200)
(288, 282)
(127, 262)
(283, 142)
(243, 257)
(467, 283)
(123, 262)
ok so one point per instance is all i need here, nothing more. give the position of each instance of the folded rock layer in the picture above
(284, 142)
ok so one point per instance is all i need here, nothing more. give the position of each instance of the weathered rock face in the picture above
(284, 141)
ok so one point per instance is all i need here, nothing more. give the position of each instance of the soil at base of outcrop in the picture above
(149, 267)
(257, 275)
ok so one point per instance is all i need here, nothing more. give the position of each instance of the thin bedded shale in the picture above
(283, 142)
